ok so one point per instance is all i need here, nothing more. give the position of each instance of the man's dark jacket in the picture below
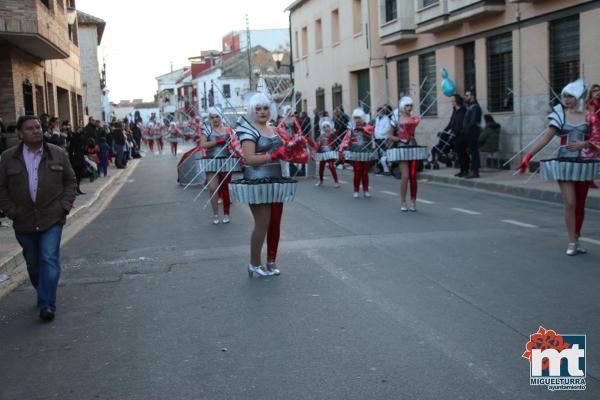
(55, 193)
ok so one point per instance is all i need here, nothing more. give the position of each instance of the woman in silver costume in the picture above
(289, 125)
(263, 186)
(325, 151)
(215, 141)
(573, 173)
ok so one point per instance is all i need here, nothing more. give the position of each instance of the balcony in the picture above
(461, 10)
(41, 33)
(400, 25)
(431, 18)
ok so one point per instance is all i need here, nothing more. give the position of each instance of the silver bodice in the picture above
(270, 170)
(219, 150)
(361, 144)
(573, 133)
(323, 144)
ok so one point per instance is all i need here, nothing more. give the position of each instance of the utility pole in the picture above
(249, 45)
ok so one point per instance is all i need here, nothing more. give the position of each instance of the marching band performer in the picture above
(404, 149)
(358, 139)
(325, 151)
(289, 125)
(173, 137)
(217, 161)
(592, 150)
(573, 173)
(263, 186)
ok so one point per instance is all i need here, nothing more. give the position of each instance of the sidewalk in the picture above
(503, 181)
(10, 251)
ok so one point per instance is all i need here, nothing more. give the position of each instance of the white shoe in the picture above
(336, 185)
(216, 220)
(355, 195)
(367, 195)
(319, 184)
(403, 208)
(272, 269)
(571, 249)
(256, 270)
(225, 219)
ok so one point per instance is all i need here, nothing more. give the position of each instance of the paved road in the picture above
(372, 303)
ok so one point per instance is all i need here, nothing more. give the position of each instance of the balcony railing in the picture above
(431, 18)
(460, 10)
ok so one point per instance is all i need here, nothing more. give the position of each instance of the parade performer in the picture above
(263, 186)
(404, 150)
(173, 137)
(573, 173)
(325, 150)
(358, 140)
(289, 125)
(592, 150)
(215, 141)
(161, 131)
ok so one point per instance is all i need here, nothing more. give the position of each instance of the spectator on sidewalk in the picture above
(103, 152)
(76, 153)
(37, 191)
(120, 140)
(489, 141)
(89, 132)
(383, 127)
(472, 130)
(2, 136)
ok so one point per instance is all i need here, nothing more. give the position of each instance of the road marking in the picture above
(462, 210)
(588, 240)
(425, 201)
(517, 223)
(390, 193)
(341, 181)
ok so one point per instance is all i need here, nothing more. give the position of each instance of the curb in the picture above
(9, 265)
(530, 193)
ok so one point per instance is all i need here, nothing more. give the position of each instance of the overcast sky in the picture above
(141, 38)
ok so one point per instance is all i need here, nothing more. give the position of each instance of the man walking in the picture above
(37, 191)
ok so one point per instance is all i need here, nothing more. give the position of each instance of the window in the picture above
(50, 94)
(297, 46)
(304, 41)
(335, 26)
(46, 3)
(391, 10)
(336, 96)
(427, 3)
(500, 73)
(298, 103)
(320, 99)
(469, 65)
(28, 98)
(403, 78)
(357, 11)
(227, 91)
(39, 100)
(427, 79)
(564, 53)
(74, 116)
(318, 35)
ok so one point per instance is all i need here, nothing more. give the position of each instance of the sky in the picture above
(142, 38)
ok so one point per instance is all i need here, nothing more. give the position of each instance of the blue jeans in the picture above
(42, 254)
(120, 153)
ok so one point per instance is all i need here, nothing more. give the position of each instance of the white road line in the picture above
(425, 201)
(462, 210)
(390, 193)
(517, 223)
(588, 240)
(341, 181)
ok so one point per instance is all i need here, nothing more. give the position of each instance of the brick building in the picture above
(39, 60)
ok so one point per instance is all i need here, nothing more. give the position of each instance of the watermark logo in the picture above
(556, 361)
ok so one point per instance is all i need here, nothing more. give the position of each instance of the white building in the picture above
(90, 35)
(167, 90)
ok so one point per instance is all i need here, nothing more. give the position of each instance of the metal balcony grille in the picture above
(564, 54)
(500, 73)
(428, 92)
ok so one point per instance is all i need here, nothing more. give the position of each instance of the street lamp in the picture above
(71, 15)
(278, 57)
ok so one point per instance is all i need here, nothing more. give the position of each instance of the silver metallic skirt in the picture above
(327, 155)
(360, 155)
(569, 169)
(189, 171)
(263, 191)
(220, 164)
(407, 153)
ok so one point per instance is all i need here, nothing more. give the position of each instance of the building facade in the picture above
(337, 56)
(39, 60)
(167, 90)
(513, 53)
(91, 30)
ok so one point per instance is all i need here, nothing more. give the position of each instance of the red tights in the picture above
(361, 172)
(274, 230)
(581, 191)
(331, 169)
(225, 178)
(413, 179)
(174, 148)
(151, 145)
